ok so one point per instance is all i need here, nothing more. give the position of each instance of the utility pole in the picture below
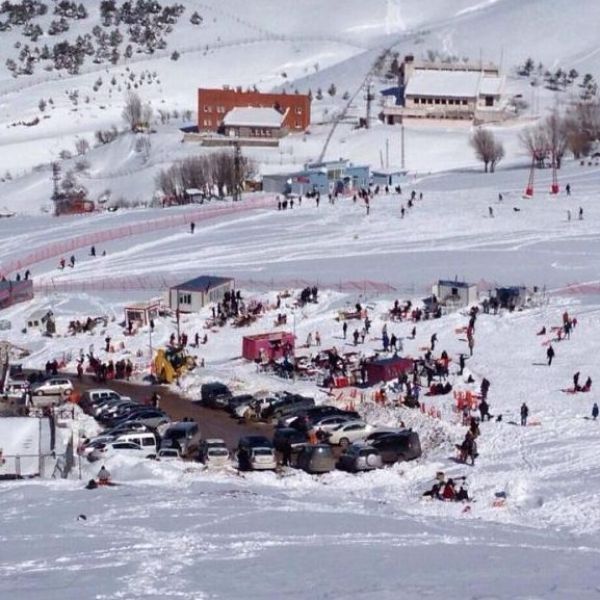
(387, 153)
(369, 100)
(237, 172)
(55, 191)
(403, 164)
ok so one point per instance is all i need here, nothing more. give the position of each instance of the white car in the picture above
(56, 386)
(169, 454)
(331, 422)
(349, 432)
(214, 453)
(103, 451)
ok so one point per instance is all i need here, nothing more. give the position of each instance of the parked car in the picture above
(145, 439)
(255, 452)
(349, 432)
(330, 422)
(215, 395)
(55, 386)
(93, 399)
(16, 389)
(286, 405)
(284, 435)
(325, 410)
(255, 405)
(360, 457)
(400, 446)
(149, 416)
(184, 436)
(236, 401)
(317, 458)
(129, 426)
(103, 451)
(380, 432)
(168, 454)
(214, 453)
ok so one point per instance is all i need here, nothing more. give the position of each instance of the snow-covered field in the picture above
(175, 531)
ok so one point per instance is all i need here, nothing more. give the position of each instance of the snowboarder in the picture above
(550, 354)
(524, 414)
(595, 411)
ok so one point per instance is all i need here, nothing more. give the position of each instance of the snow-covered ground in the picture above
(175, 531)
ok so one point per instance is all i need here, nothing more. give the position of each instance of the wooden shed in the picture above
(193, 295)
(386, 369)
(455, 294)
(269, 346)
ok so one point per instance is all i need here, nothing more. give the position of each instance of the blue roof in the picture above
(455, 284)
(202, 283)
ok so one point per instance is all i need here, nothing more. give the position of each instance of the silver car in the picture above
(360, 457)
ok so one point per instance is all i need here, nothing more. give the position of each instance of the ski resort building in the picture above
(455, 294)
(439, 90)
(194, 294)
(252, 122)
(215, 104)
(338, 176)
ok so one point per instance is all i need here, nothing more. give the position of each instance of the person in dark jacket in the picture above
(484, 410)
(595, 411)
(550, 354)
(524, 414)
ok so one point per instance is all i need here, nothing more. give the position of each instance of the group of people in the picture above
(446, 489)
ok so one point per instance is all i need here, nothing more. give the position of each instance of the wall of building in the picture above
(214, 104)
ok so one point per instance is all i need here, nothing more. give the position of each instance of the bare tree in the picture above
(555, 131)
(487, 149)
(82, 146)
(535, 143)
(132, 111)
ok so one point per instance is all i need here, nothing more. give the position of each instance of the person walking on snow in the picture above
(524, 414)
(550, 354)
(192, 227)
(433, 341)
(491, 211)
(580, 213)
(344, 329)
(568, 189)
(576, 385)
(595, 411)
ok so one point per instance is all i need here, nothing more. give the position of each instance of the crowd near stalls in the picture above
(387, 357)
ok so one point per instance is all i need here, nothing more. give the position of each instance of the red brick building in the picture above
(214, 104)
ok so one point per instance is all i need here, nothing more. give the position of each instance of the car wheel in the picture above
(39, 393)
(344, 442)
(372, 461)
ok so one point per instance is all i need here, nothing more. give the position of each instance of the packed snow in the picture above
(175, 530)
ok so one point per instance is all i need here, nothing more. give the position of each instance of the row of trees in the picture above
(213, 174)
(576, 130)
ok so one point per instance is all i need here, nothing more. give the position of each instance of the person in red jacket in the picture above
(449, 492)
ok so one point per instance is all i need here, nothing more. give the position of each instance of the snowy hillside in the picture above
(285, 45)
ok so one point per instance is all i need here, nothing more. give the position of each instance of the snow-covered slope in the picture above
(289, 44)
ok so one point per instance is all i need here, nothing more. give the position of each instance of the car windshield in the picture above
(263, 452)
(218, 452)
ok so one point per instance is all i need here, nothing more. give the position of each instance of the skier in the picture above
(433, 341)
(524, 414)
(550, 354)
(595, 411)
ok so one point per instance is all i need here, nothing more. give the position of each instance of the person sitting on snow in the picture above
(103, 476)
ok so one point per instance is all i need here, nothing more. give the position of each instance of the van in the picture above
(184, 435)
(146, 440)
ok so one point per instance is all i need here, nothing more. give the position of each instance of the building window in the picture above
(207, 108)
(489, 100)
(298, 110)
(437, 100)
(443, 100)
(185, 298)
(429, 101)
(464, 102)
(450, 101)
(220, 109)
(207, 122)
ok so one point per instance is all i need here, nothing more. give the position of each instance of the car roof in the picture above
(255, 440)
(215, 441)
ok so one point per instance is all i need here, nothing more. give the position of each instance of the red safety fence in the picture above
(158, 283)
(63, 247)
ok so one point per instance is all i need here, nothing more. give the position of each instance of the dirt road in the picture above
(213, 423)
